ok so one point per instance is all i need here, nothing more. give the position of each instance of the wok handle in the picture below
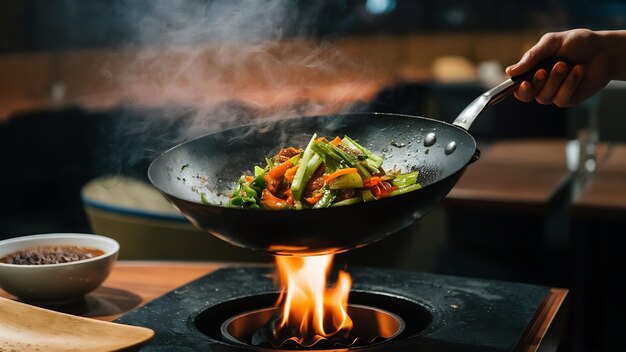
(500, 92)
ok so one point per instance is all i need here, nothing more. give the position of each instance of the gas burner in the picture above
(257, 328)
(229, 309)
(378, 318)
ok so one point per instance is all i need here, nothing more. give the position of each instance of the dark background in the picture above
(45, 163)
(42, 25)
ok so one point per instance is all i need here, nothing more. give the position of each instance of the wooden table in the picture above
(598, 223)
(132, 284)
(514, 174)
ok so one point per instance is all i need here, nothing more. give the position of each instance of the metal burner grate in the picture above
(378, 318)
(258, 328)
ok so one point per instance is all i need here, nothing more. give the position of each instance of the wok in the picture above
(197, 176)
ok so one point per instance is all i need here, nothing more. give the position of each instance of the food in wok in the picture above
(326, 173)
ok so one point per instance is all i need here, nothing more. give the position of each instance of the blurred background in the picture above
(91, 91)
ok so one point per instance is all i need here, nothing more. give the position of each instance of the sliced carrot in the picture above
(280, 169)
(336, 141)
(371, 181)
(340, 172)
(291, 173)
(383, 189)
(272, 202)
(319, 139)
(314, 198)
(249, 178)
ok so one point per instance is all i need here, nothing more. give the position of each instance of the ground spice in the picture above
(50, 255)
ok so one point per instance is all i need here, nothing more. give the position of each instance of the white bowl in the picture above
(57, 283)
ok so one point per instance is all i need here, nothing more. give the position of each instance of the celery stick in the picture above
(377, 161)
(332, 161)
(313, 164)
(298, 180)
(349, 160)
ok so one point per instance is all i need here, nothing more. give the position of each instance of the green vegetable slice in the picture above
(406, 189)
(353, 180)
(348, 201)
(326, 200)
(376, 160)
(299, 180)
(404, 180)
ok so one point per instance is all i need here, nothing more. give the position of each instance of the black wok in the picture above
(209, 166)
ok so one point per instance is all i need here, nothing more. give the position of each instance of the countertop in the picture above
(132, 284)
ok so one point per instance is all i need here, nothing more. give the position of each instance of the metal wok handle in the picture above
(500, 92)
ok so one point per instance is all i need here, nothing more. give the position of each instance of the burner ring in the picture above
(372, 326)
(419, 317)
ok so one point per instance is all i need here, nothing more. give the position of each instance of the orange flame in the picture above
(311, 310)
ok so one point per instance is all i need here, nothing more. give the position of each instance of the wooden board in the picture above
(27, 328)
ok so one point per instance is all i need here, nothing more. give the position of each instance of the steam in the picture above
(207, 65)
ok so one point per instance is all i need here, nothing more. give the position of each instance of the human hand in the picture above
(564, 85)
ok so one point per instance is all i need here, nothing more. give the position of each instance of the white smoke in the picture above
(220, 63)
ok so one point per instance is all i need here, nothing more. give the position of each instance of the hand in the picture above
(564, 85)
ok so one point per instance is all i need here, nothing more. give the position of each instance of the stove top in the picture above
(442, 313)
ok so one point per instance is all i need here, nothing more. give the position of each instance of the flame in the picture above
(311, 310)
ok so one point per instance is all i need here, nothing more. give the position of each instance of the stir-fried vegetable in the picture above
(324, 174)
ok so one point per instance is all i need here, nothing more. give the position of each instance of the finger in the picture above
(563, 97)
(557, 75)
(527, 91)
(547, 46)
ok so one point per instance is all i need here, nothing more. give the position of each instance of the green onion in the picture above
(332, 160)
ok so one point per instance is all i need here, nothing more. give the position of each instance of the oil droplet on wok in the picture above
(450, 148)
(430, 139)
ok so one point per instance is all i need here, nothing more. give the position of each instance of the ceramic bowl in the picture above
(57, 283)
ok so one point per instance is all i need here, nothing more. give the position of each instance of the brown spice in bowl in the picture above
(50, 255)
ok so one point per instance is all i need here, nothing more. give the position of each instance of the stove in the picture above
(437, 313)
